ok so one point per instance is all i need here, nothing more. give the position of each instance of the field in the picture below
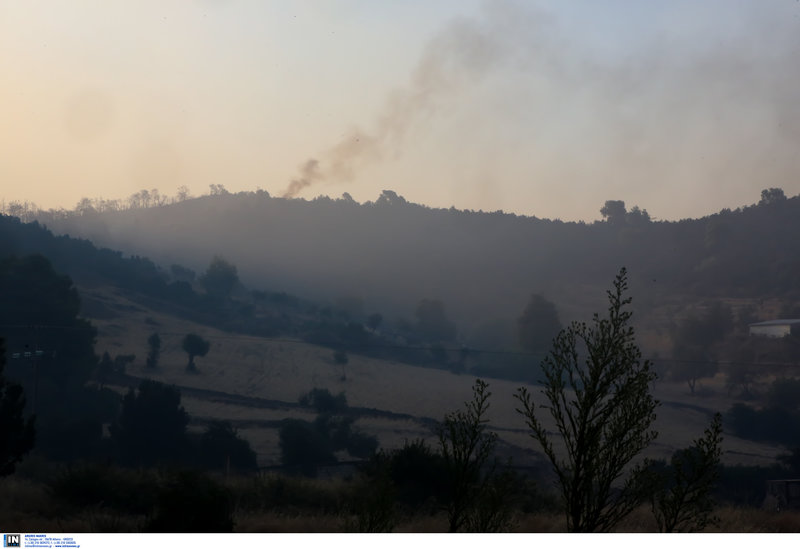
(255, 382)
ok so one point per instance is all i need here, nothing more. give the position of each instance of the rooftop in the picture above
(778, 322)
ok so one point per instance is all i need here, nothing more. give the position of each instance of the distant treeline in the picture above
(391, 253)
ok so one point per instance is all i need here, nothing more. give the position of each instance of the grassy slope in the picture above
(278, 371)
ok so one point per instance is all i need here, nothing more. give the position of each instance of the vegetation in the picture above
(307, 445)
(538, 325)
(194, 345)
(40, 319)
(220, 278)
(597, 389)
(696, 344)
(683, 502)
(466, 448)
(154, 350)
(17, 434)
(151, 427)
(222, 449)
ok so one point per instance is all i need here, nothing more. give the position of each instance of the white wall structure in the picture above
(775, 328)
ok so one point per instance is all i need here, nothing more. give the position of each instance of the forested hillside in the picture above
(391, 253)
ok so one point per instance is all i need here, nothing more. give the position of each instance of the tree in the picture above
(597, 389)
(17, 434)
(694, 344)
(614, 212)
(466, 447)
(220, 278)
(154, 344)
(190, 501)
(374, 321)
(151, 427)
(304, 446)
(538, 324)
(183, 194)
(222, 448)
(194, 345)
(772, 196)
(637, 217)
(684, 502)
(432, 321)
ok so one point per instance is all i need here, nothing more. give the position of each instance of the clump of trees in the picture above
(220, 278)
(305, 445)
(151, 427)
(696, 344)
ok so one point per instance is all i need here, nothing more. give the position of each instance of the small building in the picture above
(776, 328)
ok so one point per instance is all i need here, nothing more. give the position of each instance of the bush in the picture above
(324, 402)
(89, 485)
(222, 448)
(192, 502)
(785, 393)
(771, 424)
(151, 427)
(290, 495)
(417, 474)
(304, 446)
(745, 486)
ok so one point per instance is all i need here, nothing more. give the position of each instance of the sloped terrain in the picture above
(255, 383)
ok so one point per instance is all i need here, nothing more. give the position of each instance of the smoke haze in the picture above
(542, 109)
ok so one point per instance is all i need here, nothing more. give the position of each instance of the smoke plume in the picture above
(455, 60)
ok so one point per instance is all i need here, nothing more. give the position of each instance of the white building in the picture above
(776, 328)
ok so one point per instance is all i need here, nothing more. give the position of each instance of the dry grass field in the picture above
(278, 371)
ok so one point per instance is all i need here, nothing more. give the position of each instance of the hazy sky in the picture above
(542, 108)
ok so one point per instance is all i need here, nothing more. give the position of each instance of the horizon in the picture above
(124, 203)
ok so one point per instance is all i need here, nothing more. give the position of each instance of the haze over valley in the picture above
(358, 267)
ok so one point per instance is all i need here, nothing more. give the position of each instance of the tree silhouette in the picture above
(597, 389)
(194, 345)
(17, 435)
(222, 448)
(432, 321)
(772, 196)
(684, 503)
(614, 211)
(466, 447)
(538, 324)
(151, 427)
(154, 344)
(220, 278)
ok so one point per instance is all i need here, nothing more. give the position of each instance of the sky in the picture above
(542, 108)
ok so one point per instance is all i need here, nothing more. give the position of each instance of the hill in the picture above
(254, 381)
(390, 254)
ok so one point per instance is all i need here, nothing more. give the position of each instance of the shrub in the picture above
(192, 502)
(304, 446)
(89, 485)
(324, 402)
(222, 448)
